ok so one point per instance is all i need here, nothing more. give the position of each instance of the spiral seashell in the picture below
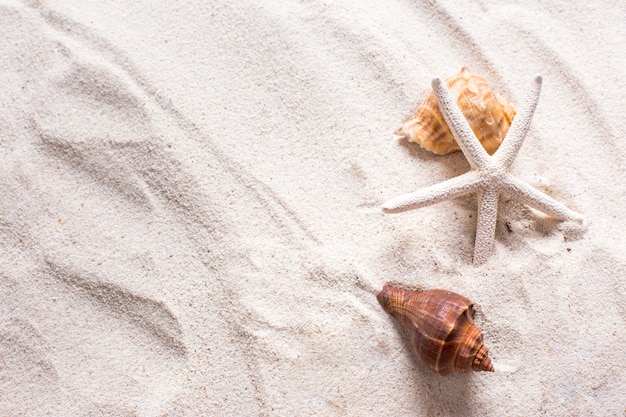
(489, 115)
(442, 328)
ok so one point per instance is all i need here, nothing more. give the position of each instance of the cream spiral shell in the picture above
(489, 115)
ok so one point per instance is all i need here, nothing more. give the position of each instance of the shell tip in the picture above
(487, 365)
(482, 361)
(401, 134)
(389, 298)
(382, 296)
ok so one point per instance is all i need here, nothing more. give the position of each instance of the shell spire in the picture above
(489, 115)
(442, 328)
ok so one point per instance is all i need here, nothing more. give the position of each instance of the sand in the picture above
(190, 217)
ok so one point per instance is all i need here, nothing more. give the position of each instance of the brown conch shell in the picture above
(442, 328)
(489, 115)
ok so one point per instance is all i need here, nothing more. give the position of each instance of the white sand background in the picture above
(190, 217)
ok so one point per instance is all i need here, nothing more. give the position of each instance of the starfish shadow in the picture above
(450, 165)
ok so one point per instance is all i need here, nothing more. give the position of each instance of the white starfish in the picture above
(488, 176)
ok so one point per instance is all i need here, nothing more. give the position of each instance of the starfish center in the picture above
(493, 174)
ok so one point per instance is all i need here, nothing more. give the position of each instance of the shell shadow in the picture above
(450, 395)
(455, 163)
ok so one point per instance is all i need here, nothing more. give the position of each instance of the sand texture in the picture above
(190, 217)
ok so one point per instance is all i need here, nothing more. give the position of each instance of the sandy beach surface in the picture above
(190, 208)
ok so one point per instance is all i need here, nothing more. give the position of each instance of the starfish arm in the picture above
(452, 188)
(460, 128)
(534, 198)
(486, 225)
(514, 139)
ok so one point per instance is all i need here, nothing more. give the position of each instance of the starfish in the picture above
(489, 176)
